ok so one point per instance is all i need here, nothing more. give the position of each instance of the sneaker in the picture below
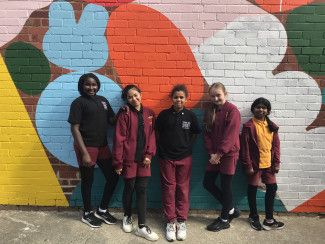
(127, 224)
(146, 233)
(106, 217)
(218, 225)
(91, 220)
(181, 231)
(255, 224)
(171, 232)
(236, 214)
(275, 225)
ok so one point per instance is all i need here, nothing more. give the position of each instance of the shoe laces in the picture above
(147, 229)
(170, 227)
(181, 226)
(129, 220)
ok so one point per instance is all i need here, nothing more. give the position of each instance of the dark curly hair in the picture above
(178, 88)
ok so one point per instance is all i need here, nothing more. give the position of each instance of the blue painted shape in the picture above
(53, 110)
(323, 94)
(199, 197)
(78, 46)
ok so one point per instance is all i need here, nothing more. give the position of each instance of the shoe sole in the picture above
(126, 231)
(104, 220)
(140, 235)
(89, 224)
(268, 228)
(253, 227)
(219, 229)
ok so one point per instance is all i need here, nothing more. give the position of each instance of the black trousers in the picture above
(269, 200)
(87, 178)
(222, 194)
(139, 184)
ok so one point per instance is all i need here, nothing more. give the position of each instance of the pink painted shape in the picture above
(13, 16)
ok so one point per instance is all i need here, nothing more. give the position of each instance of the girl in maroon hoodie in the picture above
(133, 149)
(260, 155)
(221, 138)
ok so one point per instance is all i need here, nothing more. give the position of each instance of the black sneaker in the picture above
(218, 225)
(236, 214)
(255, 224)
(106, 217)
(91, 220)
(275, 225)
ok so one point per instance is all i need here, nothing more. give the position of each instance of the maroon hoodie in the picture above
(249, 152)
(224, 136)
(125, 139)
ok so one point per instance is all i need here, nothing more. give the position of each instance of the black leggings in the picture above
(222, 194)
(87, 178)
(269, 200)
(139, 184)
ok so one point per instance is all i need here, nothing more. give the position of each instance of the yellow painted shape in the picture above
(26, 175)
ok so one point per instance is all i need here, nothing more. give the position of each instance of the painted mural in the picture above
(274, 49)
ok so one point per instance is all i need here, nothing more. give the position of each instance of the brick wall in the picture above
(274, 49)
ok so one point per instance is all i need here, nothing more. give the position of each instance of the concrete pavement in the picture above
(52, 226)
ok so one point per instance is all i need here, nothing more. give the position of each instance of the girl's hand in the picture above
(86, 160)
(118, 171)
(146, 162)
(214, 159)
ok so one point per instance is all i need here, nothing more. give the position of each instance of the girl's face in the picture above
(134, 98)
(90, 86)
(218, 96)
(179, 99)
(260, 111)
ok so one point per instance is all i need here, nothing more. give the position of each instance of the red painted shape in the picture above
(276, 6)
(147, 49)
(314, 204)
(108, 3)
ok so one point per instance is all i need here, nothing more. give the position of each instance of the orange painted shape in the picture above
(314, 204)
(276, 6)
(152, 53)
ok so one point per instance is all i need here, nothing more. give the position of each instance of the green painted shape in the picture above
(323, 94)
(306, 36)
(28, 67)
(199, 197)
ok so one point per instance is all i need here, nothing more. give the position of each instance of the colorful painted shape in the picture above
(53, 109)
(277, 6)
(313, 205)
(109, 3)
(13, 16)
(28, 67)
(151, 52)
(26, 175)
(306, 36)
(78, 46)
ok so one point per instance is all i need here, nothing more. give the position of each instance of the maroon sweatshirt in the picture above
(125, 139)
(249, 152)
(224, 136)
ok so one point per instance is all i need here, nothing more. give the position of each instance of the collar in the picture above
(177, 112)
(260, 122)
(134, 110)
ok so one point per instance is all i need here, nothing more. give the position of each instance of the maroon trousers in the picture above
(175, 186)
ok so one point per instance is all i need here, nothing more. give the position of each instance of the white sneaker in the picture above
(146, 233)
(181, 231)
(127, 225)
(171, 232)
